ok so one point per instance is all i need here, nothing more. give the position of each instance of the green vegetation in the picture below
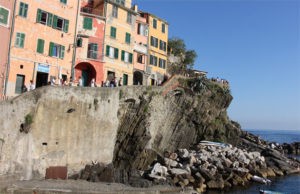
(2, 140)
(95, 101)
(146, 108)
(90, 106)
(28, 119)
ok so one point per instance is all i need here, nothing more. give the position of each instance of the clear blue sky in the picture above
(254, 44)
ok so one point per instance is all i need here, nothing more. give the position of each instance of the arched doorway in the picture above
(86, 71)
(137, 78)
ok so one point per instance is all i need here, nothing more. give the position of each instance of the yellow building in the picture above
(118, 40)
(157, 52)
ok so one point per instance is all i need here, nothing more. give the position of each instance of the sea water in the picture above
(287, 184)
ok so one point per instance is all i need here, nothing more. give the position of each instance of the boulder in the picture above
(170, 162)
(158, 169)
(215, 184)
(178, 171)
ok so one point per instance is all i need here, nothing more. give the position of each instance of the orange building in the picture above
(42, 44)
(6, 9)
(90, 40)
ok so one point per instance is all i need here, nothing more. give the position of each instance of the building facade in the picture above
(6, 9)
(119, 41)
(140, 74)
(157, 52)
(89, 45)
(42, 43)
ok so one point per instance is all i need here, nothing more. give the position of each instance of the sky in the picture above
(254, 44)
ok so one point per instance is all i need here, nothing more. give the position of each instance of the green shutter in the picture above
(66, 27)
(113, 32)
(39, 15)
(21, 8)
(50, 18)
(156, 42)
(151, 59)
(4, 16)
(62, 52)
(79, 42)
(84, 23)
(95, 48)
(127, 40)
(116, 53)
(123, 56)
(22, 40)
(54, 25)
(130, 57)
(63, 1)
(25, 10)
(40, 46)
(107, 50)
(51, 49)
(90, 23)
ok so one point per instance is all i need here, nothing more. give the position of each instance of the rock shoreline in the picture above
(202, 167)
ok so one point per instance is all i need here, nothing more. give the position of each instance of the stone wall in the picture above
(127, 126)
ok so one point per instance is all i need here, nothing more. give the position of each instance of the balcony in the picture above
(90, 10)
(141, 48)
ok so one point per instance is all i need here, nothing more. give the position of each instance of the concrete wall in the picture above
(73, 139)
(4, 39)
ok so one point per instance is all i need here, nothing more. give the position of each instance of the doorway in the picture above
(19, 84)
(41, 79)
(84, 77)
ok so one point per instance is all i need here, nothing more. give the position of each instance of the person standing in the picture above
(32, 86)
(93, 83)
(80, 82)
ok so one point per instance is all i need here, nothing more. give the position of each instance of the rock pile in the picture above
(209, 167)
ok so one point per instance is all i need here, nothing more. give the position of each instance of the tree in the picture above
(184, 59)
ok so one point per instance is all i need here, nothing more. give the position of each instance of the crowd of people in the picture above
(222, 81)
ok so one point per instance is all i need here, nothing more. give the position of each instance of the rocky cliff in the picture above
(127, 126)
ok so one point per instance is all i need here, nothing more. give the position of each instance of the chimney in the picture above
(135, 7)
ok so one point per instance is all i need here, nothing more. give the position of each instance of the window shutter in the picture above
(123, 56)
(85, 23)
(21, 8)
(22, 40)
(25, 10)
(4, 13)
(66, 27)
(51, 49)
(139, 29)
(62, 52)
(90, 23)
(151, 59)
(40, 46)
(130, 57)
(127, 39)
(116, 53)
(107, 50)
(156, 42)
(54, 22)
(79, 42)
(39, 15)
(50, 18)
(113, 32)
(95, 51)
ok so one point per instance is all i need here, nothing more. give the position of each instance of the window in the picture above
(79, 42)
(163, 45)
(113, 32)
(127, 38)
(142, 30)
(154, 42)
(23, 9)
(140, 58)
(153, 60)
(63, 1)
(162, 63)
(112, 52)
(126, 57)
(92, 51)
(115, 11)
(60, 24)
(40, 46)
(44, 17)
(121, 2)
(129, 18)
(163, 28)
(4, 16)
(88, 23)
(154, 23)
(20, 40)
(56, 50)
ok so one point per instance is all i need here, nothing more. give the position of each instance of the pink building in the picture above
(140, 52)
(90, 40)
(6, 9)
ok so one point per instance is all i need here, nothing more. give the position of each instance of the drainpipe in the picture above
(75, 44)
(9, 49)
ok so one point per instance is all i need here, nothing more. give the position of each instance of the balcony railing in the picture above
(90, 10)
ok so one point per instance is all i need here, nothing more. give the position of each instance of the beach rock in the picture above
(178, 171)
(171, 163)
(158, 169)
(173, 156)
(215, 184)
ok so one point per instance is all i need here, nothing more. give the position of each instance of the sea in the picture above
(287, 184)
